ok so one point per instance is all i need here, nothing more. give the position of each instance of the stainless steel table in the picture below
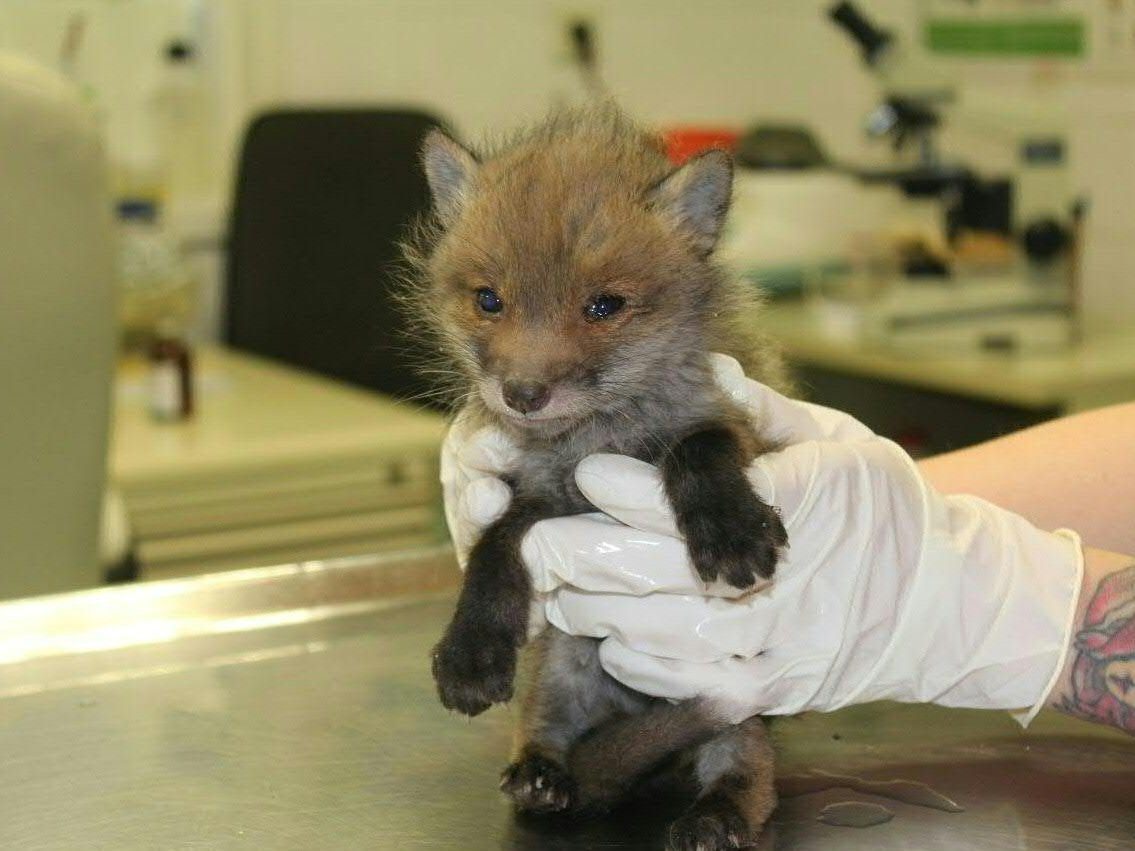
(292, 708)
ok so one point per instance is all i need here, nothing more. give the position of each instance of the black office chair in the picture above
(322, 199)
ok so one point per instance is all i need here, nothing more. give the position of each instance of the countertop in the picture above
(276, 465)
(292, 708)
(1099, 371)
(254, 413)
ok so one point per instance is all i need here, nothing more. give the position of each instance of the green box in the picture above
(1063, 37)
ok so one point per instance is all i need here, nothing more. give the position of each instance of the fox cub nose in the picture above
(526, 396)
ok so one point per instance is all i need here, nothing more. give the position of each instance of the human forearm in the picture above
(1098, 680)
(1077, 473)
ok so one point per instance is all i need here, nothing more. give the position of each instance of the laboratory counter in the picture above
(292, 708)
(933, 395)
(1098, 371)
(277, 464)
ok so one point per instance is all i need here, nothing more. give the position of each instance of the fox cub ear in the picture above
(450, 170)
(696, 197)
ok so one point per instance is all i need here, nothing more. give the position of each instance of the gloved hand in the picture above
(472, 460)
(888, 590)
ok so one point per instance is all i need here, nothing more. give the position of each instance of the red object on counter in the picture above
(171, 379)
(684, 142)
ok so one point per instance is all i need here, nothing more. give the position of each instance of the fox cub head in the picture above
(570, 271)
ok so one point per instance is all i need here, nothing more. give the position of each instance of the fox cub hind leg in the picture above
(539, 784)
(588, 743)
(568, 694)
(586, 740)
(731, 533)
(737, 794)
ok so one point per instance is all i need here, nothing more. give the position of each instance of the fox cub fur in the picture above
(568, 279)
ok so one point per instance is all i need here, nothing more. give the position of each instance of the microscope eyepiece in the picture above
(872, 39)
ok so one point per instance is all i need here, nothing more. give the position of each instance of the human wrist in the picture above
(1095, 682)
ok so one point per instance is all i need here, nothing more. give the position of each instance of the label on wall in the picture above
(1005, 28)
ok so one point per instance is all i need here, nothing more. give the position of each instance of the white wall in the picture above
(489, 64)
(119, 63)
(486, 64)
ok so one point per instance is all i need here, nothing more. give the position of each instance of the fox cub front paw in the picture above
(538, 785)
(738, 539)
(474, 667)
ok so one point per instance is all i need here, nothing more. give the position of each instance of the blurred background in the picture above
(201, 201)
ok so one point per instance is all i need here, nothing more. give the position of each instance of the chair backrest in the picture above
(322, 199)
(56, 332)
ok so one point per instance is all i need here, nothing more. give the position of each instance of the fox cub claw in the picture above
(739, 545)
(474, 668)
(720, 827)
(538, 785)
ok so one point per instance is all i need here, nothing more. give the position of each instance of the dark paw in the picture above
(474, 668)
(718, 827)
(538, 785)
(739, 545)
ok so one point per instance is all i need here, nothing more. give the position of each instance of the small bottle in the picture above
(171, 378)
(155, 287)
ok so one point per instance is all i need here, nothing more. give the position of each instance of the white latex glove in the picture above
(888, 590)
(472, 460)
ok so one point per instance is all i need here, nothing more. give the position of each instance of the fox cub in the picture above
(568, 280)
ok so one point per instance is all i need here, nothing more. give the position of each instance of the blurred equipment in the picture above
(780, 146)
(917, 98)
(183, 121)
(687, 141)
(585, 56)
(171, 378)
(790, 227)
(155, 287)
(57, 327)
(1007, 235)
(156, 300)
(909, 114)
(913, 90)
(322, 199)
(798, 218)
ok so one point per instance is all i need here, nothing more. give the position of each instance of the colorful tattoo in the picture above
(1103, 675)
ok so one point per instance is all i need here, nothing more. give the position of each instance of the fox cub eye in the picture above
(603, 306)
(489, 301)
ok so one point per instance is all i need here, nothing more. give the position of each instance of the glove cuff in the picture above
(1026, 717)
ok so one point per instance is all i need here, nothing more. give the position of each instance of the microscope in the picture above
(910, 116)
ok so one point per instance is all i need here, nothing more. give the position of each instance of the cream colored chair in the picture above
(56, 333)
